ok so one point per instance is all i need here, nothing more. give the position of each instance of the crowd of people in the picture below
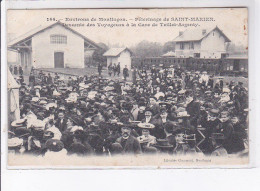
(162, 111)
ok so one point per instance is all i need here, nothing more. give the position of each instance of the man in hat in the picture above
(118, 69)
(15, 70)
(61, 121)
(80, 146)
(99, 69)
(134, 111)
(193, 109)
(134, 74)
(31, 80)
(126, 143)
(141, 113)
(153, 105)
(159, 122)
(148, 116)
(125, 72)
(20, 70)
(114, 69)
(110, 69)
(238, 136)
(146, 140)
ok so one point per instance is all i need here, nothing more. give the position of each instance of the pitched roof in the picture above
(169, 54)
(197, 35)
(41, 28)
(115, 51)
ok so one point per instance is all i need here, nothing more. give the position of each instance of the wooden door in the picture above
(58, 59)
(236, 65)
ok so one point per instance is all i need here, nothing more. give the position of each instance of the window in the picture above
(181, 45)
(191, 45)
(58, 39)
(196, 55)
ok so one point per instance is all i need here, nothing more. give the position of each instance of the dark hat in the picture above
(163, 109)
(54, 145)
(148, 110)
(79, 134)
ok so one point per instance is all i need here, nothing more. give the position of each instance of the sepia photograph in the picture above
(161, 87)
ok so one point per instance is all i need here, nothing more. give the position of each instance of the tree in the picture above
(169, 47)
(147, 49)
(98, 54)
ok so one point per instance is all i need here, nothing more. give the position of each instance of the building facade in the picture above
(201, 43)
(54, 46)
(119, 55)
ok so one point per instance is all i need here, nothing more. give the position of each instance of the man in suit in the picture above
(135, 110)
(125, 72)
(31, 79)
(99, 69)
(148, 116)
(159, 121)
(126, 144)
(49, 79)
(118, 68)
(61, 122)
(153, 105)
(193, 109)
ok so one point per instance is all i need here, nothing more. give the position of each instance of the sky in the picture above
(232, 21)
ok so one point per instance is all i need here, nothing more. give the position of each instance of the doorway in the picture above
(236, 65)
(58, 59)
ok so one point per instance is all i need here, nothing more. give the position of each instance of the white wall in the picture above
(113, 60)
(43, 50)
(187, 52)
(213, 45)
(210, 47)
(125, 59)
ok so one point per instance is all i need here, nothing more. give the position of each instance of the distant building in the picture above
(54, 46)
(116, 55)
(169, 54)
(201, 43)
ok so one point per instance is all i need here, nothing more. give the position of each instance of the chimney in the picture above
(204, 31)
(180, 33)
